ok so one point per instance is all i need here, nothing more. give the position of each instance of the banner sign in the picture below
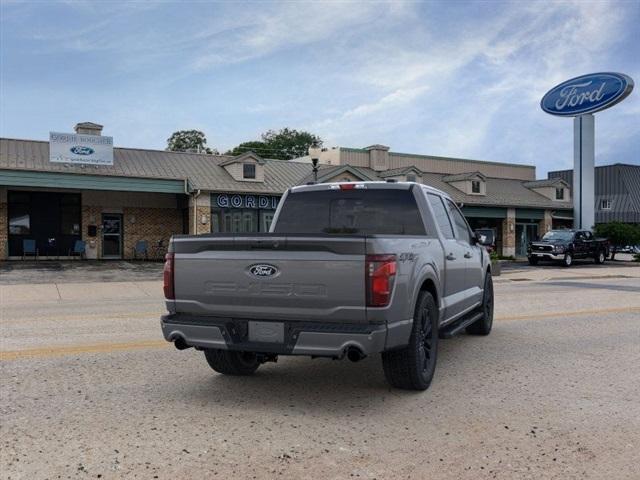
(239, 200)
(587, 94)
(80, 149)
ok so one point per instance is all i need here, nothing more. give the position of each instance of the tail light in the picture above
(169, 262)
(380, 276)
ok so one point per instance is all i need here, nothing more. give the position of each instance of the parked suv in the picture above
(566, 245)
(347, 270)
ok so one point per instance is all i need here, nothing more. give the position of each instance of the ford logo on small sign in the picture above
(79, 150)
(263, 270)
(587, 94)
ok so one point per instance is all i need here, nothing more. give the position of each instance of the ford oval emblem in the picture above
(587, 94)
(263, 270)
(80, 150)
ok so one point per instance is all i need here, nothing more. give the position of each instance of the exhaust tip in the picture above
(355, 354)
(180, 344)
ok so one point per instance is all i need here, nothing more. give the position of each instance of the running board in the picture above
(459, 325)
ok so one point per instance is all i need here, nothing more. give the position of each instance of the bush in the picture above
(619, 234)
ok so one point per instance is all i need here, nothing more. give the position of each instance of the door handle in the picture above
(467, 255)
(451, 256)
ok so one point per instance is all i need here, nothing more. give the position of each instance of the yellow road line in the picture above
(106, 316)
(45, 352)
(568, 314)
(73, 350)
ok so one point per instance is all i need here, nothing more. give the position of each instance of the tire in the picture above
(413, 367)
(568, 260)
(533, 261)
(232, 363)
(600, 257)
(483, 325)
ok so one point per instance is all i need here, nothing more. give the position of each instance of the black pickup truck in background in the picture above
(564, 246)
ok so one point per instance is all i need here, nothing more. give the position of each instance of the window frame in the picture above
(479, 184)
(455, 209)
(607, 202)
(446, 213)
(244, 171)
(560, 193)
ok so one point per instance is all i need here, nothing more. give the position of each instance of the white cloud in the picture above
(484, 81)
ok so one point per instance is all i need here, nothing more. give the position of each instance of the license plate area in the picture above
(266, 332)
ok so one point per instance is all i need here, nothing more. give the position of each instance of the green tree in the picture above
(257, 147)
(619, 234)
(188, 141)
(283, 144)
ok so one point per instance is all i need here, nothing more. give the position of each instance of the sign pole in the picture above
(583, 171)
(579, 98)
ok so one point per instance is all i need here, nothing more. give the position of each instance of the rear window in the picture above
(366, 211)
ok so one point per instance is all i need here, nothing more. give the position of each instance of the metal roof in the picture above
(463, 176)
(547, 182)
(206, 172)
(499, 191)
(619, 184)
(201, 170)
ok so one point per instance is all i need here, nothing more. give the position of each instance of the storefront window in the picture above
(238, 213)
(19, 220)
(52, 219)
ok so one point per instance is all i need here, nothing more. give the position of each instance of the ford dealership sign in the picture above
(80, 149)
(587, 94)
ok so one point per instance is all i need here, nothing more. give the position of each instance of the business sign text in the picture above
(245, 201)
(587, 94)
(85, 149)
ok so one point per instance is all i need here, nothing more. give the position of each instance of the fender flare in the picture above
(429, 271)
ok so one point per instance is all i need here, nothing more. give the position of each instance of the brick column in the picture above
(203, 214)
(92, 215)
(4, 225)
(545, 224)
(509, 233)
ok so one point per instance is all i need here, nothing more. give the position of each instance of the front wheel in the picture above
(232, 363)
(483, 325)
(600, 257)
(567, 261)
(412, 367)
(533, 261)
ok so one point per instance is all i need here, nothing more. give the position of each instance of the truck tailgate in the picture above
(272, 277)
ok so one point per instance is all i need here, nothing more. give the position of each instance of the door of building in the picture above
(112, 235)
(525, 233)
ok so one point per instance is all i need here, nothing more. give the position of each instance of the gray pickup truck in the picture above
(347, 270)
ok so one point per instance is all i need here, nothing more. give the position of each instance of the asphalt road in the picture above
(90, 390)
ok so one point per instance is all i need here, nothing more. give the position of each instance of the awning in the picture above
(30, 178)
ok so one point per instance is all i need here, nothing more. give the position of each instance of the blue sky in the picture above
(461, 79)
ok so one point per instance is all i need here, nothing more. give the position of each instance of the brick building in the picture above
(149, 195)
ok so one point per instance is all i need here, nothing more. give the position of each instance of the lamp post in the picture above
(314, 153)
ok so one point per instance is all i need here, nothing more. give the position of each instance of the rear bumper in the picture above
(296, 338)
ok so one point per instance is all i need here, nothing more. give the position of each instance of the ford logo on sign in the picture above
(79, 150)
(263, 270)
(587, 94)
